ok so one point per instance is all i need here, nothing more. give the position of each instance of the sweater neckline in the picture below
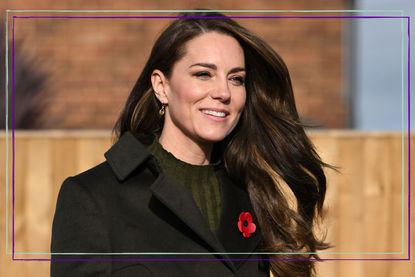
(158, 150)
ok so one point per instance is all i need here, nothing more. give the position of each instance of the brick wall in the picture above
(90, 65)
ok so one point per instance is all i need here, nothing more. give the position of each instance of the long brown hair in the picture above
(268, 152)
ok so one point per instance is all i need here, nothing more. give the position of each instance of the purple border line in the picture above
(13, 139)
(213, 17)
(210, 17)
(409, 138)
(200, 259)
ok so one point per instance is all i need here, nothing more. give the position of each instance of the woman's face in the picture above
(206, 91)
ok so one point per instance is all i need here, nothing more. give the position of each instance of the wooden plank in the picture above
(363, 205)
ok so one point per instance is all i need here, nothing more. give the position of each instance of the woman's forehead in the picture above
(214, 48)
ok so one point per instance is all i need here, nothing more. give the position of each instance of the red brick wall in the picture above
(92, 64)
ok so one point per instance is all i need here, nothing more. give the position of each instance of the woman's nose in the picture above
(221, 91)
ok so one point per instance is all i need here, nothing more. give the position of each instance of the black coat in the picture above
(133, 220)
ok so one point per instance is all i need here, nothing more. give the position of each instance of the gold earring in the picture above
(162, 110)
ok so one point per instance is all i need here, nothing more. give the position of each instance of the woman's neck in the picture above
(186, 149)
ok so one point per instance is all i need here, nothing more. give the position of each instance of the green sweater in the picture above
(201, 180)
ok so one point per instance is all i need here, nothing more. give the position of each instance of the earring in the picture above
(163, 109)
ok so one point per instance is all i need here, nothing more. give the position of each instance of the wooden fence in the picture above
(366, 207)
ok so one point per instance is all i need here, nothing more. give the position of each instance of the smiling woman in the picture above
(210, 172)
(204, 96)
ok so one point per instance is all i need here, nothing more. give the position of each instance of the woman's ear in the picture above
(159, 83)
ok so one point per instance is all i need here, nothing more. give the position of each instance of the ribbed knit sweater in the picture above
(201, 180)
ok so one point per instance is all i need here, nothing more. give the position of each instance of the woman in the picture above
(211, 168)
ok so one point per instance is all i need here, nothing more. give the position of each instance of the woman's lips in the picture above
(214, 117)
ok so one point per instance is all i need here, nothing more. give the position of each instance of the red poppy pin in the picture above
(245, 224)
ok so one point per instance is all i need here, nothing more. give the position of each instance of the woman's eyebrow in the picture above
(237, 69)
(214, 67)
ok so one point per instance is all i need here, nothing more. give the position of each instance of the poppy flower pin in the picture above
(245, 224)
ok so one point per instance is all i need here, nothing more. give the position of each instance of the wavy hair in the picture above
(268, 152)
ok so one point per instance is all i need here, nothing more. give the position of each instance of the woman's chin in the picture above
(211, 138)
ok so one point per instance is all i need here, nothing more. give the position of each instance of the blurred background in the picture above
(77, 73)
(72, 78)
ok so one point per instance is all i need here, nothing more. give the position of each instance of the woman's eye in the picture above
(239, 80)
(202, 74)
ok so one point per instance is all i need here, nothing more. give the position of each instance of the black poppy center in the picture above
(245, 223)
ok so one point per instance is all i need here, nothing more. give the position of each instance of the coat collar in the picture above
(126, 155)
(129, 152)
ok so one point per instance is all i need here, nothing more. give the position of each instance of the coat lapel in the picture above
(235, 200)
(126, 155)
(180, 201)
